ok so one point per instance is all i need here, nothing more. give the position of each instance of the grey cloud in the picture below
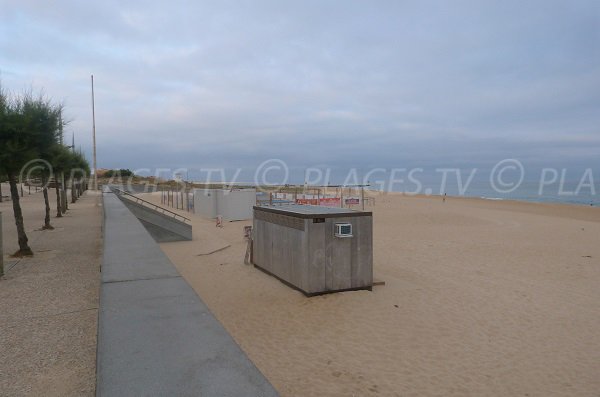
(339, 83)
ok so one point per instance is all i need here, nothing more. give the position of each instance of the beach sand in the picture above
(482, 298)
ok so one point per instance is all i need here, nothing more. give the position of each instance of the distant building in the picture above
(231, 204)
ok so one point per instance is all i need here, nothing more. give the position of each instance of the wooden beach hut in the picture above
(314, 249)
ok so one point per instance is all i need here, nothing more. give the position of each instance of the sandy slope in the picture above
(481, 298)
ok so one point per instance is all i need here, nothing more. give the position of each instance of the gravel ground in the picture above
(49, 303)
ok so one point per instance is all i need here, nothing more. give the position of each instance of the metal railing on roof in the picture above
(146, 203)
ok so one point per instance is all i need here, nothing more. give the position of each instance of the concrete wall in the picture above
(310, 257)
(205, 202)
(155, 335)
(234, 205)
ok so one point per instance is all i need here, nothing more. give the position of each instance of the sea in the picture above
(555, 186)
(569, 193)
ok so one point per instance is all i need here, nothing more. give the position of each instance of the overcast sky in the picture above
(386, 84)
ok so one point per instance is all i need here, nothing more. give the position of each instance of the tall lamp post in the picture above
(94, 136)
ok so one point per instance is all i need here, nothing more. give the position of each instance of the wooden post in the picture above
(1, 249)
(248, 238)
(362, 198)
(187, 200)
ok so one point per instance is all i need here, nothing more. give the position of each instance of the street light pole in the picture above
(94, 136)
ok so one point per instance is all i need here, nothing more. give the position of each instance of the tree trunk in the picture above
(58, 199)
(47, 225)
(65, 207)
(14, 193)
(0, 191)
(1, 249)
(73, 191)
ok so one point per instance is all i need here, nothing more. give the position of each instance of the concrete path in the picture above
(155, 335)
(48, 303)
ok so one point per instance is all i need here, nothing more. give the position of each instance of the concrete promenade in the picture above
(49, 303)
(155, 335)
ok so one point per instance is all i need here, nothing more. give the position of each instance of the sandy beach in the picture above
(481, 298)
(470, 130)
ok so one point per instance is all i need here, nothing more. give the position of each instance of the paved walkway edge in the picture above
(155, 335)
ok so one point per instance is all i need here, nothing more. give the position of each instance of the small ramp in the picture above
(162, 224)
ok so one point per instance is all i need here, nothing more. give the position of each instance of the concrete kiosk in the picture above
(314, 249)
(232, 204)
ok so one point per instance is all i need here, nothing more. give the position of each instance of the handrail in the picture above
(156, 207)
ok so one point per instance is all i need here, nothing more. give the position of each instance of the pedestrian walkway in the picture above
(49, 303)
(155, 335)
